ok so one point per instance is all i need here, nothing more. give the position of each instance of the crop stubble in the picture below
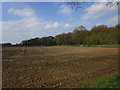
(39, 67)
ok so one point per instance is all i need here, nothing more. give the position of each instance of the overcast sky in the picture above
(22, 21)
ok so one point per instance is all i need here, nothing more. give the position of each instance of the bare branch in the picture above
(76, 4)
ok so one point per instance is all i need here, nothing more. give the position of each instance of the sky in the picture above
(25, 20)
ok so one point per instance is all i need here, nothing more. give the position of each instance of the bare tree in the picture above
(76, 4)
(113, 2)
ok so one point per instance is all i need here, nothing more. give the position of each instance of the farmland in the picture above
(56, 66)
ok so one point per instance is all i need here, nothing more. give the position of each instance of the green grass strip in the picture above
(109, 82)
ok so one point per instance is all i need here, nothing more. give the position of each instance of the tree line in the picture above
(98, 35)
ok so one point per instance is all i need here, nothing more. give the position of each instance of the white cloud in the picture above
(52, 25)
(68, 26)
(29, 26)
(111, 21)
(65, 9)
(98, 10)
(56, 24)
(26, 12)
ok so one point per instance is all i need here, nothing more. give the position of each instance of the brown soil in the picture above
(38, 67)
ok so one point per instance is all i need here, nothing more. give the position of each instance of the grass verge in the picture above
(109, 82)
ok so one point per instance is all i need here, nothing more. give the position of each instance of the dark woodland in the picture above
(98, 35)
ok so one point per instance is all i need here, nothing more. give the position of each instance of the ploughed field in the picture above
(56, 66)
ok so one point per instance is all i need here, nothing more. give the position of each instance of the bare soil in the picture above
(58, 66)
